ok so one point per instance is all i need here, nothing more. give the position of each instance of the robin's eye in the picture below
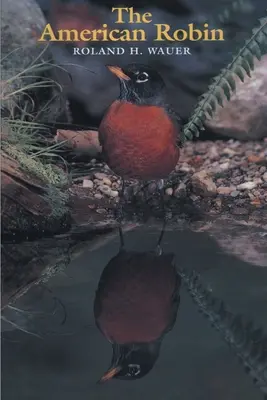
(142, 77)
(134, 369)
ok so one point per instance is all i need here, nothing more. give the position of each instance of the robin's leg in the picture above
(121, 238)
(119, 214)
(162, 202)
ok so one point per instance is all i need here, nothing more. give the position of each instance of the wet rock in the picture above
(87, 183)
(193, 197)
(152, 187)
(180, 191)
(245, 116)
(218, 203)
(247, 185)
(98, 196)
(240, 211)
(114, 193)
(169, 191)
(264, 177)
(203, 184)
(101, 211)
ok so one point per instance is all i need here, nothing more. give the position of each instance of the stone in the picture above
(169, 191)
(244, 117)
(101, 211)
(240, 211)
(152, 187)
(225, 190)
(98, 196)
(224, 166)
(114, 193)
(21, 24)
(258, 181)
(247, 185)
(19, 47)
(254, 158)
(229, 152)
(213, 153)
(107, 181)
(264, 177)
(184, 168)
(115, 185)
(180, 191)
(203, 184)
(105, 189)
(100, 175)
(87, 183)
(235, 193)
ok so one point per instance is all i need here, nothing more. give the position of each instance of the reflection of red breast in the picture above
(135, 298)
(139, 141)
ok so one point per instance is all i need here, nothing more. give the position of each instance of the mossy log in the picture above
(35, 241)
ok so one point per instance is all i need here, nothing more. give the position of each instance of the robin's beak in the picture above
(118, 72)
(111, 373)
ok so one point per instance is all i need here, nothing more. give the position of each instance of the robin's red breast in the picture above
(136, 304)
(140, 133)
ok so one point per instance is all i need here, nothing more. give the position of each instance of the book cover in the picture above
(133, 139)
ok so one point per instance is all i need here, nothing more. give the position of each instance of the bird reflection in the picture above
(135, 306)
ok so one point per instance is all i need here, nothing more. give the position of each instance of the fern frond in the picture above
(247, 342)
(224, 84)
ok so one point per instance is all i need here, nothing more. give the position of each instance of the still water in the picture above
(71, 355)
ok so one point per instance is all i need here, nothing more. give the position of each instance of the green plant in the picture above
(247, 342)
(224, 84)
(26, 140)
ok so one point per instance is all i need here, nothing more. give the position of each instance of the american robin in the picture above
(140, 133)
(136, 304)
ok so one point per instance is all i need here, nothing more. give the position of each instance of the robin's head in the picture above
(139, 83)
(130, 362)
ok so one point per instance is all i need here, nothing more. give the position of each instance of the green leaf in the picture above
(224, 84)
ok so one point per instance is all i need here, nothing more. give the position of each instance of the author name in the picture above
(133, 51)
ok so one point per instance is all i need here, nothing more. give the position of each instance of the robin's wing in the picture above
(175, 305)
(178, 123)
